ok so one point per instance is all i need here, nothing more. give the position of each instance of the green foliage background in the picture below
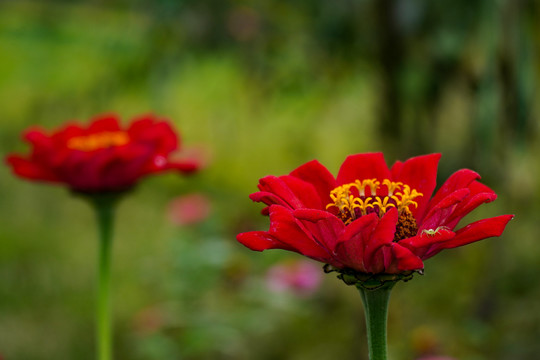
(264, 87)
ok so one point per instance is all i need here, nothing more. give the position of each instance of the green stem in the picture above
(104, 207)
(376, 311)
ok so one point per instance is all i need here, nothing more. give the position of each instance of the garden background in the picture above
(258, 88)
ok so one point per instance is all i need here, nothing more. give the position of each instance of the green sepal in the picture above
(369, 281)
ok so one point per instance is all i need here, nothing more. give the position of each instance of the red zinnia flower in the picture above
(102, 157)
(371, 219)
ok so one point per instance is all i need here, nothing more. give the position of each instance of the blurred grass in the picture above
(307, 87)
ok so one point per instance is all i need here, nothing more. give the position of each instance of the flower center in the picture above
(360, 198)
(97, 141)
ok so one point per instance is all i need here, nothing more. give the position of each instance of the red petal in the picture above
(61, 137)
(285, 228)
(406, 260)
(316, 174)
(458, 180)
(106, 122)
(359, 227)
(37, 138)
(312, 215)
(382, 235)
(326, 228)
(438, 215)
(277, 186)
(43, 146)
(350, 249)
(480, 194)
(424, 238)
(389, 261)
(304, 191)
(30, 170)
(259, 241)
(423, 241)
(186, 167)
(268, 198)
(123, 168)
(150, 130)
(363, 166)
(114, 168)
(419, 173)
(141, 129)
(478, 230)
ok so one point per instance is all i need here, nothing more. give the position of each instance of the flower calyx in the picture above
(370, 281)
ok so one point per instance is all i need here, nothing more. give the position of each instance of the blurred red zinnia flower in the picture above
(101, 157)
(371, 219)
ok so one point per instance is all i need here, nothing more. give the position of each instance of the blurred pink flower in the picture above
(436, 358)
(189, 209)
(300, 277)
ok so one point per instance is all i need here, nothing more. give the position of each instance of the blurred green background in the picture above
(262, 87)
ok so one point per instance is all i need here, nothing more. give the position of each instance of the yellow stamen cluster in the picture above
(97, 141)
(352, 205)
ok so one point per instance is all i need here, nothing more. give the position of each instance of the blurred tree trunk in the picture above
(390, 56)
(513, 69)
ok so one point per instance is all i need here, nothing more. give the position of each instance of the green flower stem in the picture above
(104, 206)
(376, 311)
